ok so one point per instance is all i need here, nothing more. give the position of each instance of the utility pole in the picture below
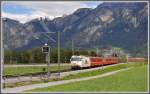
(2, 53)
(72, 47)
(59, 53)
(97, 51)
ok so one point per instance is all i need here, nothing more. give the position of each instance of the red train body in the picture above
(136, 59)
(103, 61)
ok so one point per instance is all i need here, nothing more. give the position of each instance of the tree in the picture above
(38, 56)
(93, 53)
(7, 56)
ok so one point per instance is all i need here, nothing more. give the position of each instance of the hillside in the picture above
(122, 25)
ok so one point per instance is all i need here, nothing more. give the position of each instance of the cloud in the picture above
(50, 9)
(20, 17)
(26, 17)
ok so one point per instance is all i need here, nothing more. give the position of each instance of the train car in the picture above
(110, 60)
(136, 59)
(84, 61)
(96, 61)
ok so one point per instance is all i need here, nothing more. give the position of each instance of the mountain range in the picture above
(110, 24)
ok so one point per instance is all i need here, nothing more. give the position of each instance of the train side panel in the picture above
(136, 59)
(86, 62)
(95, 61)
(110, 60)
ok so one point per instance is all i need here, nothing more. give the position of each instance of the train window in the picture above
(85, 61)
(108, 59)
(99, 59)
(93, 59)
(75, 59)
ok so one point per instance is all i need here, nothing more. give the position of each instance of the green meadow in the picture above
(132, 80)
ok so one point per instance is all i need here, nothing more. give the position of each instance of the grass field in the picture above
(133, 80)
(95, 72)
(24, 70)
(105, 70)
(72, 76)
(79, 75)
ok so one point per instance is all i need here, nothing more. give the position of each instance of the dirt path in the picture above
(28, 87)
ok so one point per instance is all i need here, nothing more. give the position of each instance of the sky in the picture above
(24, 11)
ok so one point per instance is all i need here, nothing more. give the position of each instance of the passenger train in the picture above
(85, 61)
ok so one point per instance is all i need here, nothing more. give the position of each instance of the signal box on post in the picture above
(45, 49)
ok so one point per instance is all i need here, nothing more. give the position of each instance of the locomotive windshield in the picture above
(75, 59)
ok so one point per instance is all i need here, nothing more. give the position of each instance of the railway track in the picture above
(42, 73)
(34, 74)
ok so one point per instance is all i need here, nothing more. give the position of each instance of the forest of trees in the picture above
(36, 55)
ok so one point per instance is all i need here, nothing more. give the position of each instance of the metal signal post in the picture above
(46, 50)
(59, 53)
(48, 65)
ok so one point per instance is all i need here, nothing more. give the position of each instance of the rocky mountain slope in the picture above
(123, 25)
